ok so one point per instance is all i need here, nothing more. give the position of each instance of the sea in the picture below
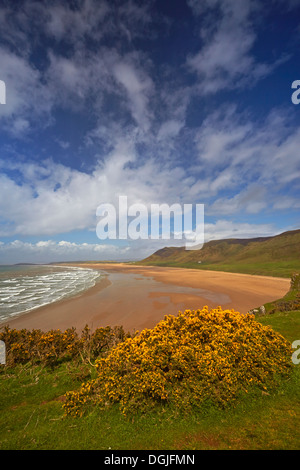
(27, 287)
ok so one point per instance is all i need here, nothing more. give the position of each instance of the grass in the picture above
(274, 269)
(286, 323)
(271, 256)
(261, 422)
(32, 417)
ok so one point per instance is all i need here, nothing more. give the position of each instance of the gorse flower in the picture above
(185, 360)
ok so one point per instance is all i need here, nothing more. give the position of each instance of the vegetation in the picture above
(186, 362)
(199, 380)
(275, 256)
(32, 396)
(53, 347)
(291, 301)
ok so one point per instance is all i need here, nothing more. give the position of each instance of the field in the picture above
(271, 256)
(276, 269)
(32, 416)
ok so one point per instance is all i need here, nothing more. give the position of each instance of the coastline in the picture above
(137, 297)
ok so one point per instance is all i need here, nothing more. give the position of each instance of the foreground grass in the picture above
(32, 417)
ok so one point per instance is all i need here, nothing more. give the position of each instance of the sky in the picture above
(166, 101)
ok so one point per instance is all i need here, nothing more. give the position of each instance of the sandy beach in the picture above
(138, 297)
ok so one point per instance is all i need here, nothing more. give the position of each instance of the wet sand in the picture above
(138, 297)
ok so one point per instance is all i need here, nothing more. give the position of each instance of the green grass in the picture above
(271, 256)
(289, 302)
(32, 416)
(274, 269)
(286, 323)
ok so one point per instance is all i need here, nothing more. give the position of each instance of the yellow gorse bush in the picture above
(185, 360)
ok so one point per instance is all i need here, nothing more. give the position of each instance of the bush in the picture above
(291, 301)
(55, 346)
(186, 360)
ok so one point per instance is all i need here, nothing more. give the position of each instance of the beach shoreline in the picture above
(137, 297)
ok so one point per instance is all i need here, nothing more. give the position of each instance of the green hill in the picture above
(278, 255)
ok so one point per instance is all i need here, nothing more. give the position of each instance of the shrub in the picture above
(291, 301)
(186, 360)
(55, 346)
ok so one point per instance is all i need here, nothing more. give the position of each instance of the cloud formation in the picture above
(164, 105)
(226, 59)
(45, 251)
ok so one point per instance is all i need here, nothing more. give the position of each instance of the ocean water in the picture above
(24, 288)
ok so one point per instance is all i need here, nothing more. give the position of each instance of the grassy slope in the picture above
(275, 256)
(32, 418)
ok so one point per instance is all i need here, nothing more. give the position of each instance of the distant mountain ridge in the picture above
(277, 255)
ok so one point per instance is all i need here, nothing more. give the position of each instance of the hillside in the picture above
(278, 255)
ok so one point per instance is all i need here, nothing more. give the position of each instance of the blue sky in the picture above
(176, 101)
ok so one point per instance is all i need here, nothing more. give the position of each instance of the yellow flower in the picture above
(187, 359)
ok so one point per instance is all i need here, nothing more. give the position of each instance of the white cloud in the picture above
(138, 87)
(230, 162)
(51, 251)
(70, 24)
(221, 133)
(45, 244)
(222, 229)
(252, 200)
(73, 80)
(169, 129)
(93, 19)
(55, 199)
(242, 168)
(225, 60)
(236, 154)
(77, 73)
(27, 99)
(287, 202)
(47, 251)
